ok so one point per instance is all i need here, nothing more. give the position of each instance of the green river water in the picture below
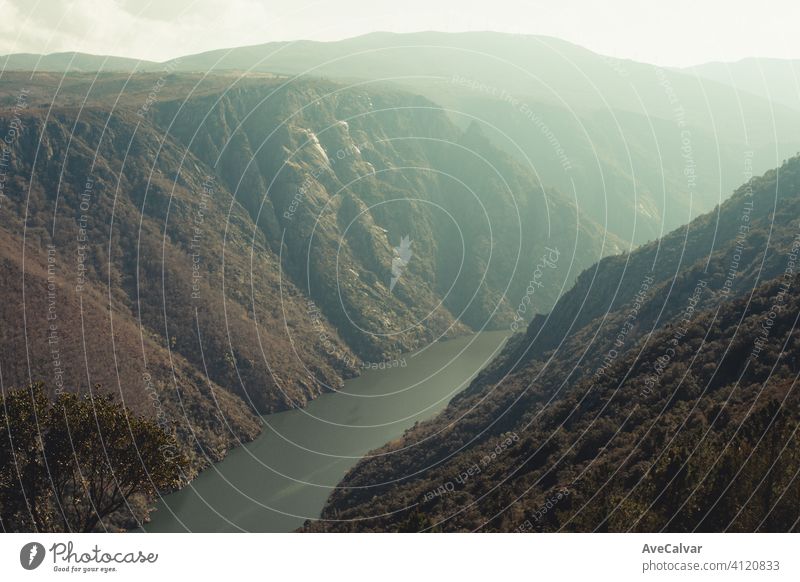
(282, 478)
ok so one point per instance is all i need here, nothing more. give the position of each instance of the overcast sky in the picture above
(666, 32)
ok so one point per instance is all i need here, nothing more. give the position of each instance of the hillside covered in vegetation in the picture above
(659, 394)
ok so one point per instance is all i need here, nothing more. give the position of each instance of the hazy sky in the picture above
(667, 32)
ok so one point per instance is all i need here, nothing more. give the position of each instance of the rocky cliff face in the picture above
(335, 178)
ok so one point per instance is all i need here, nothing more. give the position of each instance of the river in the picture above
(282, 478)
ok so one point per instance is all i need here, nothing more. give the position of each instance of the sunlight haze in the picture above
(679, 33)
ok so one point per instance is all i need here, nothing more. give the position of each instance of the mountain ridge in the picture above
(548, 100)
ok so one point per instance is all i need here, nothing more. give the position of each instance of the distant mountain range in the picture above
(777, 80)
(641, 149)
